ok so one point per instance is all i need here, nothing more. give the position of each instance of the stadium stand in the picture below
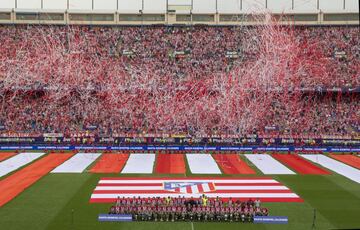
(171, 52)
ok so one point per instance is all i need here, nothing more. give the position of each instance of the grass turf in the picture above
(61, 201)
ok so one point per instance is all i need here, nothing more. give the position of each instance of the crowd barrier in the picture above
(186, 148)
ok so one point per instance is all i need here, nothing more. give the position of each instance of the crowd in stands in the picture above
(193, 209)
(316, 116)
(176, 52)
(342, 47)
(204, 48)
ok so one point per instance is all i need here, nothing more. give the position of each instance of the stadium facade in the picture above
(173, 12)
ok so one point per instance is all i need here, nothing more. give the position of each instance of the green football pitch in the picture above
(61, 201)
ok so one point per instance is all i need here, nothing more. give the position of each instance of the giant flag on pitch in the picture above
(265, 188)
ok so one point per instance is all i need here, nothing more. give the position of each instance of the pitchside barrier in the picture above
(270, 219)
(256, 220)
(114, 218)
(189, 148)
(59, 140)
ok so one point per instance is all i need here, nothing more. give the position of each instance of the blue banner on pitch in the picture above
(271, 219)
(114, 218)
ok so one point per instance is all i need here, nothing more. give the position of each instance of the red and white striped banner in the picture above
(265, 189)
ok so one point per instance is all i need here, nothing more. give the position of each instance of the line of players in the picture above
(193, 209)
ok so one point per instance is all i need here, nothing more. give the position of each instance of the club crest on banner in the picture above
(189, 187)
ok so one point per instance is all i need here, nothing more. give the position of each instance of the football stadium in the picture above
(179, 114)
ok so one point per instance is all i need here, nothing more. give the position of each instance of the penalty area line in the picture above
(192, 226)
